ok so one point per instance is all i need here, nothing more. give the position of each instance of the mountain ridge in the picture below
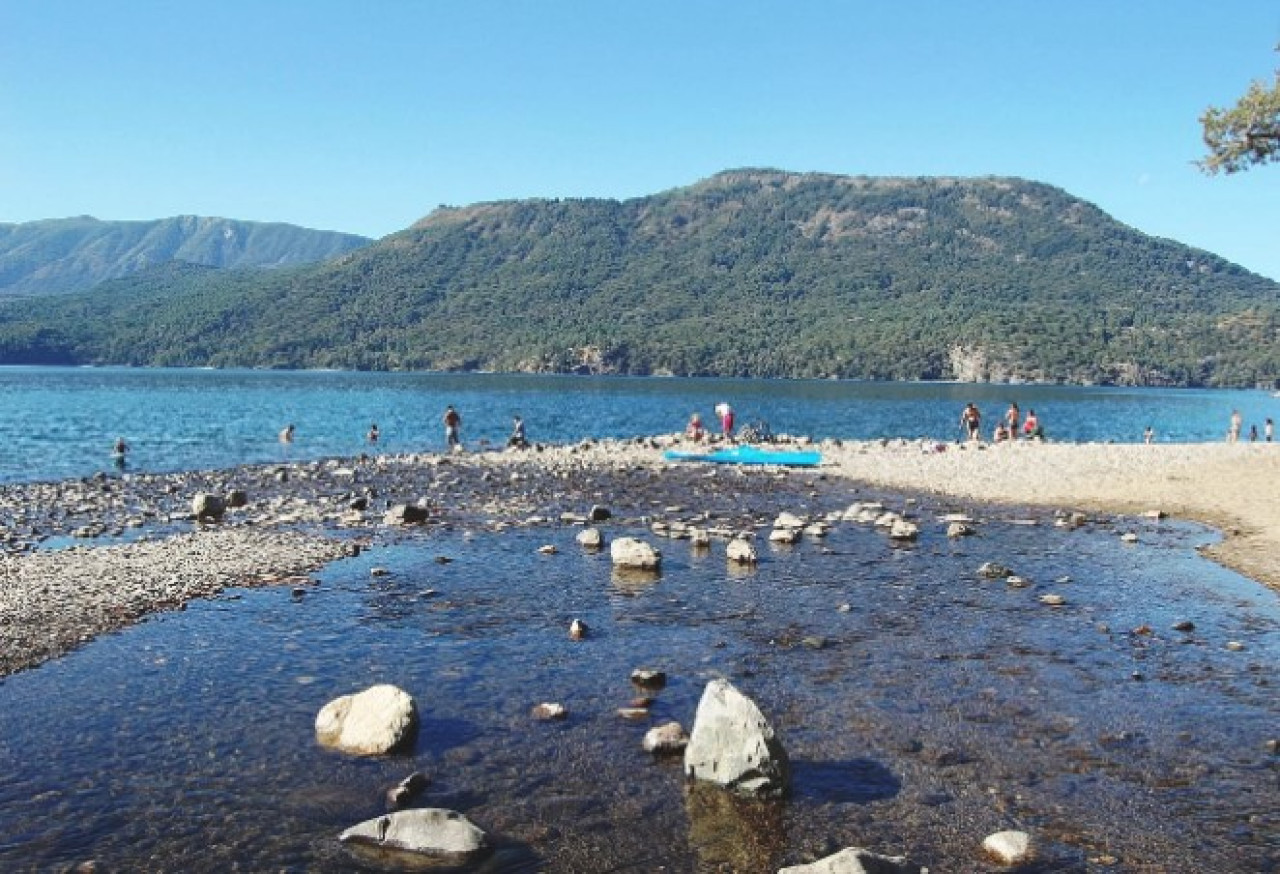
(751, 272)
(61, 256)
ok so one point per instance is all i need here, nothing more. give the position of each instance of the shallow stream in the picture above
(936, 708)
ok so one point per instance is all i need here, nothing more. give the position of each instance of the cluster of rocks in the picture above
(732, 746)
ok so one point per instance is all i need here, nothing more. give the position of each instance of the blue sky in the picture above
(364, 116)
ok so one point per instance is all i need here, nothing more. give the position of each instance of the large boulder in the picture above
(628, 552)
(734, 746)
(422, 836)
(855, 860)
(371, 723)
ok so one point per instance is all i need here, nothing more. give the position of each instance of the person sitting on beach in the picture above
(1000, 434)
(517, 438)
(694, 430)
(1031, 428)
(971, 420)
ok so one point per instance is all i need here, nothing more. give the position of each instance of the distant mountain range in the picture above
(748, 273)
(60, 256)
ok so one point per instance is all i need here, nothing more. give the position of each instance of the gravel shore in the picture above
(131, 546)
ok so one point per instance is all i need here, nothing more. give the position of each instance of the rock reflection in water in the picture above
(728, 833)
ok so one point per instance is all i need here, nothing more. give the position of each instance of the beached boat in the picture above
(749, 455)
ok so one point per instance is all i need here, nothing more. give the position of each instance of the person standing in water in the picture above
(373, 434)
(1011, 419)
(971, 421)
(452, 428)
(517, 439)
(120, 452)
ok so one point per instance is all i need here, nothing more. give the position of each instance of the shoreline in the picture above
(138, 550)
(1232, 488)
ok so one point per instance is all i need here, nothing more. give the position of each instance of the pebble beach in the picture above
(303, 515)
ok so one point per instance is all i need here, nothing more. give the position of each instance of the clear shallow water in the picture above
(942, 707)
(62, 422)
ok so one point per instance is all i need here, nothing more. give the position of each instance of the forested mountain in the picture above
(750, 272)
(74, 254)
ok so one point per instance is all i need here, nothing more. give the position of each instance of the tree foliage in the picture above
(749, 273)
(1246, 134)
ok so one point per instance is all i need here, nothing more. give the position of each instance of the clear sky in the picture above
(364, 116)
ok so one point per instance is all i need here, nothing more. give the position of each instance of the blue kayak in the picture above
(749, 455)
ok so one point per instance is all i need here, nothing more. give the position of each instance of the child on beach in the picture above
(694, 430)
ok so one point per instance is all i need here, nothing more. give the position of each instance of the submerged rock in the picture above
(734, 746)
(432, 833)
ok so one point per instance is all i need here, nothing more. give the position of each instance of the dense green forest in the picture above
(748, 273)
(58, 256)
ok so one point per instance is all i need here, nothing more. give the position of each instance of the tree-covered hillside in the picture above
(751, 272)
(65, 255)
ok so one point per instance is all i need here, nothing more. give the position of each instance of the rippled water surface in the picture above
(62, 422)
(936, 708)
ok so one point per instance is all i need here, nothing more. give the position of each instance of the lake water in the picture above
(935, 708)
(62, 422)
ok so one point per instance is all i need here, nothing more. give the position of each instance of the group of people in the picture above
(697, 432)
(452, 432)
(1237, 425)
(1009, 427)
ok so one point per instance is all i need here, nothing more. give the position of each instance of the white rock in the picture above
(370, 723)
(699, 537)
(549, 710)
(741, 552)
(591, 538)
(784, 535)
(855, 860)
(430, 831)
(1010, 847)
(633, 553)
(788, 520)
(904, 530)
(669, 737)
(1053, 600)
(886, 519)
(734, 746)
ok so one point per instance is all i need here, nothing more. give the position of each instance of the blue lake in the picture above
(61, 422)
